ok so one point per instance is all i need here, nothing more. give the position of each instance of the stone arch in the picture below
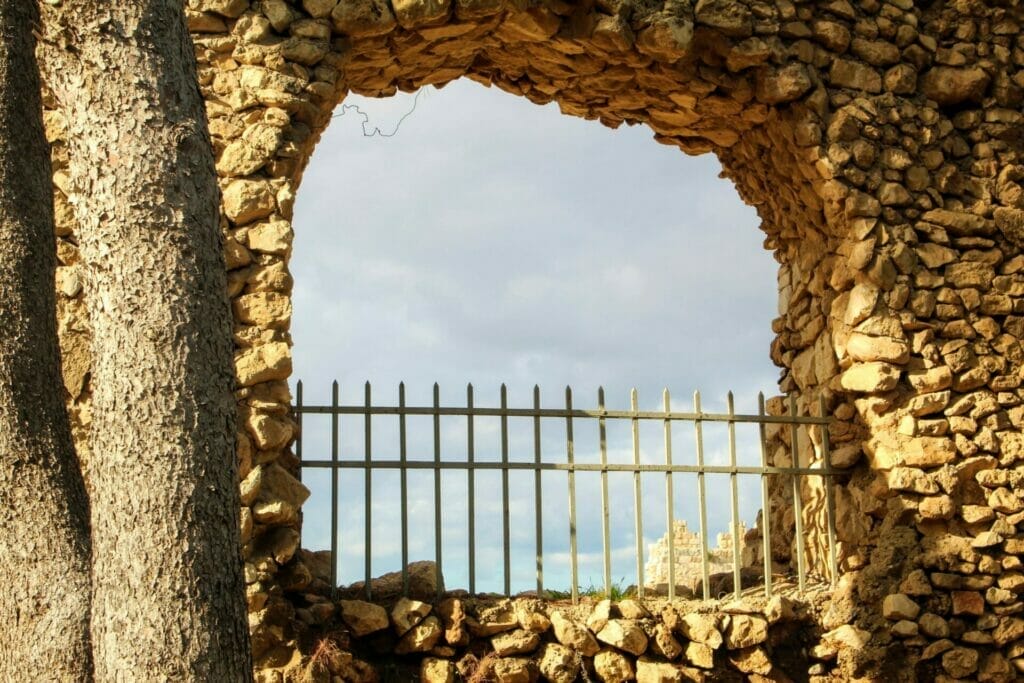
(880, 143)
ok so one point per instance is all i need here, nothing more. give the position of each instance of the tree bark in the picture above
(168, 595)
(44, 514)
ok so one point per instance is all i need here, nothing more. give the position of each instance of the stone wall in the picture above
(880, 142)
(524, 639)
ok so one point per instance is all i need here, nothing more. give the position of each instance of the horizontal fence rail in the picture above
(371, 461)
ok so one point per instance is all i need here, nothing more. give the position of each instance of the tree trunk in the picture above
(168, 596)
(44, 513)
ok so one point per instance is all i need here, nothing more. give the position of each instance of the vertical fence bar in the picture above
(637, 494)
(698, 428)
(298, 423)
(670, 499)
(766, 529)
(368, 483)
(602, 433)
(505, 519)
(334, 484)
(797, 502)
(571, 459)
(538, 521)
(471, 489)
(737, 575)
(830, 502)
(404, 486)
(437, 488)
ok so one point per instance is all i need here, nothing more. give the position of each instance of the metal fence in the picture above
(572, 417)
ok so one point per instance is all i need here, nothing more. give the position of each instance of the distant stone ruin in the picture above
(688, 567)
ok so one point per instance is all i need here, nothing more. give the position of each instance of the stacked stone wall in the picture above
(881, 144)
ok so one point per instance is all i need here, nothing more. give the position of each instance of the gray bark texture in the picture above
(168, 594)
(44, 514)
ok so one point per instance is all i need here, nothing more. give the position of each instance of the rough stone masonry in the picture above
(881, 142)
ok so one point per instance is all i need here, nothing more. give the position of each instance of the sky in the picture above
(491, 240)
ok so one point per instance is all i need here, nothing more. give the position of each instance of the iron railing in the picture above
(601, 414)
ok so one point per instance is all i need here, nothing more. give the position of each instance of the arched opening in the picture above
(493, 241)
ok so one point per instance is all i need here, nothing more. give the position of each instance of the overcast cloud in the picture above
(490, 241)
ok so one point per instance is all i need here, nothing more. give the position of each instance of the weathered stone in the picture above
(700, 655)
(420, 638)
(950, 86)
(245, 201)
(960, 662)
(363, 618)
(848, 73)
(863, 347)
(515, 642)
(650, 671)
(433, 670)
(624, 634)
(272, 237)
(514, 670)
(869, 378)
(558, 663)
(746, 630)
(281, 495)
(574, 635)
(363, 18)
(783, 85)
(898, 606)
(407, 613)
(664, 644)
(702, 628)
(612, 666)
(263, 363)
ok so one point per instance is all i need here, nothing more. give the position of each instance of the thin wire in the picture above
(377, 132)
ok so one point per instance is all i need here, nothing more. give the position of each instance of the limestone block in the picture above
(530, 615)
(651, 671)
(514, 670)
(558, 664)
(407, 613)
(494, 619)
(245, 201)
(251, 152)
(863, 347)
(363, 18)
(269, 431)
(264, 309)
(734, 19)
(950, 85)
(612, 666)
(363, 618)
(263, 363)
(664, 644)
(417, 13)
(319, 8)
(870, 378)
(271, 237)
(420, 638)
(433, 670)
(515, 642)
(574, 635)
(624, 634)
(702, 628)
(898, 606)
(700, 655)
(281, 495)
(746, 630)
(849, 73)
